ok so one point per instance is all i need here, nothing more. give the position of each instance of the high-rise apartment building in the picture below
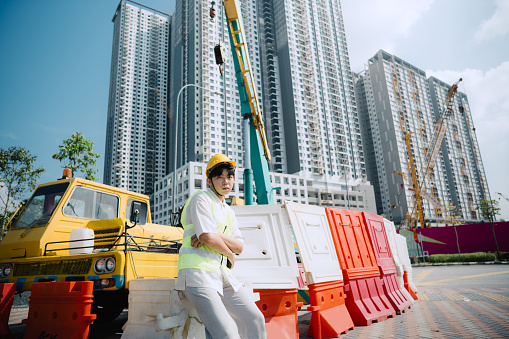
(308, 91)
(136, 150)
(396, 100)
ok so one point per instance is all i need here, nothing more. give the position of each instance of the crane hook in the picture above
(212, 12)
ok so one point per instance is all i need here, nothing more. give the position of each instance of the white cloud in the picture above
(379, 24)
(489, 104)
(495, 27)
(7, 135)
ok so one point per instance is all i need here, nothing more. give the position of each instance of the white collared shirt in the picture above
(200, 215)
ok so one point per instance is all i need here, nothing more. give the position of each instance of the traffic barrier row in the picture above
(60, 310)
(347, 263)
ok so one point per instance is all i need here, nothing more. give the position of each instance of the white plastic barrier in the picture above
(390, 229)
(147, 298)
(183, 322)
(405, 259)
(268, 260)
(314, 241)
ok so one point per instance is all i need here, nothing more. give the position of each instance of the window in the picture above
(87, 203)
(41, 206)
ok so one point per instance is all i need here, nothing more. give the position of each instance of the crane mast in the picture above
(430, 160)
(256, 146)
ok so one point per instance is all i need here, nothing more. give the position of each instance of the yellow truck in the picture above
(74, 229)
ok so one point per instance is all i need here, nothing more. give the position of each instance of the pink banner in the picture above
(458, 239)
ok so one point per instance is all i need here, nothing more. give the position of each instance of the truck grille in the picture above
(66, 267)
(108, 242)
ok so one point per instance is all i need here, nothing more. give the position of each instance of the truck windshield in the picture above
(41, 206)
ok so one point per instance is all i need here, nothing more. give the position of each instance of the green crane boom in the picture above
(256, 147)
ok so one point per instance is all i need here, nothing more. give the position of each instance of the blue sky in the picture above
(55, 66)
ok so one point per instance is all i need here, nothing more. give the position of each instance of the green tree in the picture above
(17, 175)
(489, 210)
(78, 154)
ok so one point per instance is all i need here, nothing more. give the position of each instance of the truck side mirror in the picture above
(135, 212)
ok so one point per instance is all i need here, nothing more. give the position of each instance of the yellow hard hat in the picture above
(217, 160)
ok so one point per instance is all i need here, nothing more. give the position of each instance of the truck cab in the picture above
(74, 229)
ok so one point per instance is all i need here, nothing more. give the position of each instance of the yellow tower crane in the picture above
(417, 212)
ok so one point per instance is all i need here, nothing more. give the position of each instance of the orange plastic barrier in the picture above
(329, 317)
(366, 301)
(60, 310)
(380, 242)
(409, 288)
(279, 308)
(6, 299)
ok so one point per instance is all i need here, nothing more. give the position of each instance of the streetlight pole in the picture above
(175, 142)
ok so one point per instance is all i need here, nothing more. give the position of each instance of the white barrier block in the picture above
(183, 322)
(405, 259)
(314, 240)
(390, 229)
(268, 260)
(147, 298)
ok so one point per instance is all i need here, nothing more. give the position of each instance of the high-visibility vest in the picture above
(203, 257)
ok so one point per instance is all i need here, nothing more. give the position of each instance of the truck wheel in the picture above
(108, 305)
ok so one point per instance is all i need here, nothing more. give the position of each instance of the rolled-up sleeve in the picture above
(200, 215)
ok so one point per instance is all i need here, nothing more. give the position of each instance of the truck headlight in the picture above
(105, 265)
(110, 264)
(7, 269)
(99, 265)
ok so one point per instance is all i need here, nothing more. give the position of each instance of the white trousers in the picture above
(231, 316)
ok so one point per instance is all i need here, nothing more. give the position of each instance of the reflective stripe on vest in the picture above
(203, 257)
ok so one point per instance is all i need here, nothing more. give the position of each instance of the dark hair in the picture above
(217, 171)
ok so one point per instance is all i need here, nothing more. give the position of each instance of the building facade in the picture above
(308, 92)
(136, 146)
(398, 102)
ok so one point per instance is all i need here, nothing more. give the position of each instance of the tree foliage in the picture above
(489, 209)
(78, 155)
(17, 175)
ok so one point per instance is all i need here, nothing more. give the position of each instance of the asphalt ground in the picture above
(455, 301)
